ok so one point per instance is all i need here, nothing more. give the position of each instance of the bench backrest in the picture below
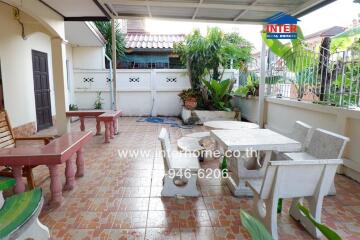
(7, 139)
(164, 138)
(290, 179)
(326, 145)
(301, 133)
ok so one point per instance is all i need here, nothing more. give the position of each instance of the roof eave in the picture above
(313, 8)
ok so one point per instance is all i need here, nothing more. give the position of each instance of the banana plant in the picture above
(219, 94)
(258, 231)
(298, 59)
(296, 56)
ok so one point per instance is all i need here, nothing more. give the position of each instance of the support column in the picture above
(262, 85)
(60, 84)
(113, 52)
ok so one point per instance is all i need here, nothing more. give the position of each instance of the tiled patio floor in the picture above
(119, 198)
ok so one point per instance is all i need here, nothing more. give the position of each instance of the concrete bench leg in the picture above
(55, 186)
(82, 124)
(107, 132)
(171, 190)
(116, 122)
(80, 163)
(70, 175)
(36, 231)
(112, 129)
(17, 173)
(98, 127)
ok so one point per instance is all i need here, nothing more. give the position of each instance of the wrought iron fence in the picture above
(319, 76)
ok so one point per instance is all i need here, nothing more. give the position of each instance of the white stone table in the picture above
(243, 168)
(230, 125)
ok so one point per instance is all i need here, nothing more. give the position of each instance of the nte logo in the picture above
(281, 26)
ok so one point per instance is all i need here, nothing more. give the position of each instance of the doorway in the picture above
(41, 89)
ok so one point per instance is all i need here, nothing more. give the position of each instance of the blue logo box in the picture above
(281, 35)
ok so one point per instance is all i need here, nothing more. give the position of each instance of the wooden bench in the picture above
(19, 214)
(87, 113)
(178, 186)
(57, 152)
(110, 120)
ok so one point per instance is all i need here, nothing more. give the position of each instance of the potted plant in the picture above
(73, 107)
(98, 102)
(250, 89)
(189, 98)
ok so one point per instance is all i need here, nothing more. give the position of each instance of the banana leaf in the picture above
(255, 228)
(328, 232)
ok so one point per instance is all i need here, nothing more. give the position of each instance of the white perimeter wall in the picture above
(16, 68)
(139, 92)
(88, 58)
(281, 114)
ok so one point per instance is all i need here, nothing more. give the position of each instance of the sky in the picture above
(338, 13)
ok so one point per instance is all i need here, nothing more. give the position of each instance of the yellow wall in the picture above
(16, 66)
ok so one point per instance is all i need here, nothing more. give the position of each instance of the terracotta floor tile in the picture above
(208, 191)
(167, 203)
(130, 219)
(127, 234)
(134, 204)
(120, 197)
(201, 233)
(162, 234)
(94, 220)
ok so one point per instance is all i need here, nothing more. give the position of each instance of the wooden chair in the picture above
(184, 185)
(310, 179)
(8, 140)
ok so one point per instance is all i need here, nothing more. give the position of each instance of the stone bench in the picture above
(87, 113)
(110, 120)
(176, 185)
(19, 214)
(57, 152)
(190, 145)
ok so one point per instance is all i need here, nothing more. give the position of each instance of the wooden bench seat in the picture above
(110, 120)
(173, 185)
(19, 214)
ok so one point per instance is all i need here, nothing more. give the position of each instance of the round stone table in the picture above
(230, 125)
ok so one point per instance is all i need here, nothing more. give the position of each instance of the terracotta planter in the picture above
(190, 103)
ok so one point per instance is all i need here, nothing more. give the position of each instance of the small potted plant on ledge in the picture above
(189, 98)
(98, 101)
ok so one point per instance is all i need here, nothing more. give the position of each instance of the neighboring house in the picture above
(313, 40)
(148, 51)
(38, 51)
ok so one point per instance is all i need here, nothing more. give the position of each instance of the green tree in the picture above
(208, 54)
(105, 29)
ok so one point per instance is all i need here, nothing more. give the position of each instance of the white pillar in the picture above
(113, 45)
(262, 85)
(60, 84)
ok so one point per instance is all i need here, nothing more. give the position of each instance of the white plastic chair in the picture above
(308, 179)
(185, 185)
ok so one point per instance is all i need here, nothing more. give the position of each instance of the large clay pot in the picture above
(190, 103)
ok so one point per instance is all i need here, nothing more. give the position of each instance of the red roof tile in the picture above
(147, 40)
